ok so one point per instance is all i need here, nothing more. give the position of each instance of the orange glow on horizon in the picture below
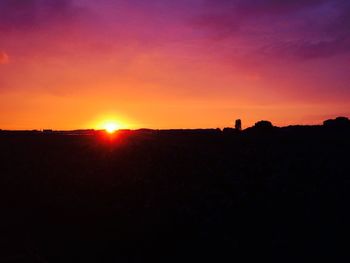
(111, 127)
(110, 122)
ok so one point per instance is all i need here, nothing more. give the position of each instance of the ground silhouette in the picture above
(171, 195)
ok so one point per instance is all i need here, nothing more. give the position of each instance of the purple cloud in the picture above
(274, 7)
(27, 14)
(295, 28)
(260, 7)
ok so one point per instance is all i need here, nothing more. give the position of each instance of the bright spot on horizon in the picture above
(111, 127)
(110, 123)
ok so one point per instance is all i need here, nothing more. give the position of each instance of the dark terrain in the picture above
(174, 195)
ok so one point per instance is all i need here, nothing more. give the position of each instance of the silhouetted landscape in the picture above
(175, 195)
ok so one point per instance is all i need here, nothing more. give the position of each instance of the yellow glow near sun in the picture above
(110, 123)
(111, 127)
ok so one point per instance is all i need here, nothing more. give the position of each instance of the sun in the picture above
(111, 127)
(110, 123)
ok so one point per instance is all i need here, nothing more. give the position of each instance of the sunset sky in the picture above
(69, 64)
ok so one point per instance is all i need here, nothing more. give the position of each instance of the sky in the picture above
(74, 64)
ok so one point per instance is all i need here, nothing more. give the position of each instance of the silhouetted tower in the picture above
(238, 125)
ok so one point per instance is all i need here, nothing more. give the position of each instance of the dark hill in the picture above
(177, 195)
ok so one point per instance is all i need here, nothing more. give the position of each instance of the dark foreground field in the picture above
(174, 196)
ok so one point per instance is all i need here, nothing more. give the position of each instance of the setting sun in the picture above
(111, 127)
(110, 123)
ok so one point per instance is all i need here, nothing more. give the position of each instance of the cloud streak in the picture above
(4, 59)
(300, 29)
(33, 14)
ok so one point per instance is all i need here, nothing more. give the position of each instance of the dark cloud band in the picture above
(26, 14)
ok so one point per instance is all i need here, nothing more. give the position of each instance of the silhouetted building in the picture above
(238, 125)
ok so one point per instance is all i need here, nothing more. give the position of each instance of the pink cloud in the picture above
(4, 58)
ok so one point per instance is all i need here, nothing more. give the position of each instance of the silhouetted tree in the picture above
(339, 122)
(263, 125)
